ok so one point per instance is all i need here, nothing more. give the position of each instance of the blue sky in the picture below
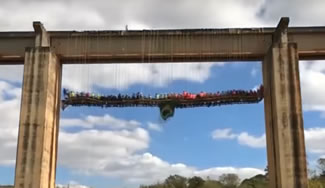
(198, 141)
(126, 147)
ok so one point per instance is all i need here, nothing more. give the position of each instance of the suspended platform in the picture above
(166, 102)
(183, 100)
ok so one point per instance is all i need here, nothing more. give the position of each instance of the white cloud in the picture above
(121, 76)
(53, 14)
(106, 121)
(89, 150)
(242, 138)
(145, 168)
(118, 151)
(301, 12)
(147, 14)
(223, 134)
(312, 85)
(209, 14)
(148, 168)
(141, 14)
(9, 111)
(251, 141)
(254, 72)
(255, 88)
(314, 139)
(72, 184)
(154, 127)
(243, 173)
(122, 154)
(13, 73)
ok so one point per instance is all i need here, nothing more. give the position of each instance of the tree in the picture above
(266, 170)
(212, 184)
(314, 183)
(321, 166)
(195, 182)
(258, 181)
(176, 181)
(229, 180)
(312, 174)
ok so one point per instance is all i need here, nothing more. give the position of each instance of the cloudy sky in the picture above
(127, 147)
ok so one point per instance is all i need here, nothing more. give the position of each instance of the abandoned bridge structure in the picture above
(44, 52)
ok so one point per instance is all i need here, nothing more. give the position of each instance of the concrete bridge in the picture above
(43, 52)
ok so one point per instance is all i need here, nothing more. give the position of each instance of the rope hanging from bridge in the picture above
(166, 102)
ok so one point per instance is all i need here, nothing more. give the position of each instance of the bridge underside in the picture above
(43, 54)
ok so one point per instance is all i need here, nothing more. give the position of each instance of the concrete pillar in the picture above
(39, 119)
(283, 114)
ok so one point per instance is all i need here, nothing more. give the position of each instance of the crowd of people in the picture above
(179, 100)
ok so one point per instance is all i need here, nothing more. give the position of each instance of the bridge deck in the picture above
(189, 45)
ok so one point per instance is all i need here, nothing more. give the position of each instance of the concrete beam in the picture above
(42, 39)
(189, 45)
(283, 115)
(280, 36)
(39, 120)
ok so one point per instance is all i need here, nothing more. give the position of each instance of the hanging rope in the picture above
(166, 102)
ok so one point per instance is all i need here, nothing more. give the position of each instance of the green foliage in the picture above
(195, 182)
(258, 181)
(266, 170)
(176, 181)
(314, 184)
(229, 180)
(321, 166)
(226, 181)
(212, 184)
(317, 180)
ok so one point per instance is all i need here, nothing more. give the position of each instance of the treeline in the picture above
(225, 181)
(316, 180)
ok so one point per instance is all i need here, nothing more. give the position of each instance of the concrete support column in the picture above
(39, 120)
(283, 114)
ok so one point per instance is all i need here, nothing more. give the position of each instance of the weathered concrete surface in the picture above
(283, 116)
(186, 45)
(39, 118)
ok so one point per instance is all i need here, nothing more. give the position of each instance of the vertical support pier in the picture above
(283, 113)
(39, 116)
